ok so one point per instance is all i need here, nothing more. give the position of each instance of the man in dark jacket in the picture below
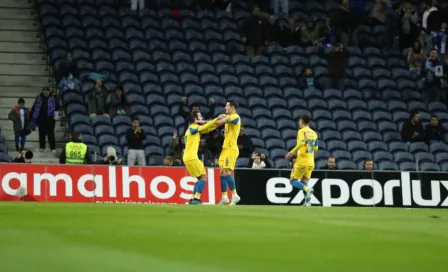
(412, 130)
(434, 131)
(42, 115)
(245, 144)
(252, 33)
(67, 68)
(135, 137)
(290, 35)
(331, 164)
(337, 63)
(20, 117)
(271, 31)
(432, 73)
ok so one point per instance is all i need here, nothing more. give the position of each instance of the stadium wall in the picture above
(163, 185)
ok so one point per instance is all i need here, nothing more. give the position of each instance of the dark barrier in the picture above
(346, 188)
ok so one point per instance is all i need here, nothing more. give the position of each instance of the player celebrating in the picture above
(230, 152)
(304, 166)
(194, 166)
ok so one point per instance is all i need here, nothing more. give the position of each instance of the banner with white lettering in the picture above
(346, 188)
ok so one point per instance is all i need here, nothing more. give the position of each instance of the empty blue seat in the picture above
(408, 166)
(387, 165)
(377, 145)
(356, 146)
(380, 156)
(361, 156)
(402, 156)
(428, 166)
(422, 157)
(346, 165)
(418, 147)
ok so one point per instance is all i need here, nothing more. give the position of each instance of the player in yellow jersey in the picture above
(230, 152)
(194, 166)
(307, 145)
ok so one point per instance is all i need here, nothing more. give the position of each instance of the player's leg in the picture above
(297, 177)
(222, 162)
(191, 171)
(230, 180)
(309, 191)
(200, 184)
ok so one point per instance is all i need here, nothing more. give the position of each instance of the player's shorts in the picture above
(300, 171)
(227, 159)
(195, 168)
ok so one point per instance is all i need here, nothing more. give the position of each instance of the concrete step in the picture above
(21, 58)
(24, 4)
(14, 92)
(23, 69)
(20, 36)
(6, 124)
(20, 47)
(16, 13)
(33, 137)
(25, 81)
(18, 24)
(8, 102)
(34, 145)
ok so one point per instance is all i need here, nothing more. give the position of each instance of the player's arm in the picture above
(228, 119)
(301, 141)
(200, 129)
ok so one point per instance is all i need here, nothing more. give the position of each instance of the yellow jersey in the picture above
(232, 131)
(193, 137)
(307, 145)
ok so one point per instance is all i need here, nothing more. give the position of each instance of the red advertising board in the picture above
(103, 184)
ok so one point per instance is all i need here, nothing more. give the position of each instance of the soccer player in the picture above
(230, 152)
(194, 166)
(306, 146)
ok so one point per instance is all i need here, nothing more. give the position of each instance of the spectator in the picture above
(43, 115)
(440, 42)
(23, 157)
(75, 152)
(252, 35)
(309, 34)
(196, 108)
(280, 7)
(271, 31)
(215, 142)
(416, 56)
(110, 158)
(258, 161)
(331, 164)
(68, 83)
(348, 19)
(290, 34)
(178, 145)
(337, 63)
(204, 154)
(412, 130)
(430, 23)
(434, 131)
(137, 4)
(245, 145)
(67, 68)
(307, 79)
(328, 32)
(119, 104)
(97, 98)
(167, 161)
(368, 165)
(408, 26)
(20, 117)
(432, 72)
(135, 137)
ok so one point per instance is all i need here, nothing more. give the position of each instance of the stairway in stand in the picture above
(23, 73)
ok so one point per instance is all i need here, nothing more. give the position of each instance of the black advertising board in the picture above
(346, 188)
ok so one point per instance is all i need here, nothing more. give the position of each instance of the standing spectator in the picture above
(307, 79)
(430, 23)
(20, 117)
(252, 35)
(245, 144)
(97, 98)
(119, 104)
(75, 152)
(309, 34)
(290, 34)
(432, 72)
(42, 114)
(412, 130)
(167, 161)
(440, 42)
(331, 164)
(337, 63)
(434, 131)
(67, 68)
(271, 31)
(135, 137)
(416, 56)
(137, 4)
(328, 32)
(215, 142)
(258, 161)
(368, 165)
(280, 7)
(408, 26)
(348, 20)
(204, 154)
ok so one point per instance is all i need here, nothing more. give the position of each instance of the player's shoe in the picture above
(196, 202)
(235, 200)
(224, 201)
(308, 195)
(190, 202)
(306, 204)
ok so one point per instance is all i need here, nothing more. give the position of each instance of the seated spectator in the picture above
(110, 158)
(119, 104)
(245, 145)
(67, 68)
(440, 42)
(167, 161)
(309, 34)
(337, 63)
(69, 84)
(271, 31)
(434, 131)
(252, 35)
(290, 34)
(215, 142)
(258, 161)
(97, 100)
(368, 165)
(412, 130)
(331, 164)
(432, 73)
(408, 25)
(416, 56)
(307, 79)
(204, 154)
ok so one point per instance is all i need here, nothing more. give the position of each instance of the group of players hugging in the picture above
(307, 145)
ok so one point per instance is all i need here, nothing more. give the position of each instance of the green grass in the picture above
(95, 237)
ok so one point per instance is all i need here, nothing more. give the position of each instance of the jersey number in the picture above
(75, 154)
(310, 147)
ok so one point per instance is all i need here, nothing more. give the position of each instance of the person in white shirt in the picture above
(20, 116)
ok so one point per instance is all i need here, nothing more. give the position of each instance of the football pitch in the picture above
(107, 237)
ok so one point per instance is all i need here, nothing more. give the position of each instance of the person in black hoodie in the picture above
(290, 34)
(434, 131)
(412, 130)
(337, 63)
(271, 31)
(252, 33)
